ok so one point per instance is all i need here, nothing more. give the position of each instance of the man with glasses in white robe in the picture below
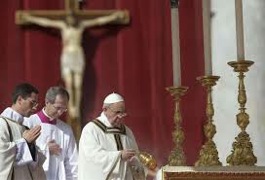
(19, 157)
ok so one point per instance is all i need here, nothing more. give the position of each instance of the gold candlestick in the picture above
(177, 156)
(208, 154)
(242, 153)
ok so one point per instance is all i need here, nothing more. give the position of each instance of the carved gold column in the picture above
(177, 156)
(208, 154)
(242, 153)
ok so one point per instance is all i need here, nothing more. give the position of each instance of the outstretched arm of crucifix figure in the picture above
(117, 15)
(44, 22)
(72, 57)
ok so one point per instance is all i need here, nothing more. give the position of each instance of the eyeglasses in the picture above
(57, 108)
(33, 103)
(118, 112)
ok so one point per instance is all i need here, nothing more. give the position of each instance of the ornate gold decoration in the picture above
(242, 153)
(147, 160)
(208, 154)
(213, 175)
(177, 156)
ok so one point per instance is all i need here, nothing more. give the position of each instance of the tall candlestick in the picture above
(239, 30)
(175, 47)
(207, 36)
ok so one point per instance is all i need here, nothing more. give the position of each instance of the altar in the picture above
(213, 173)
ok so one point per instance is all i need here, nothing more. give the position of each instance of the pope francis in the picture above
(107, 147)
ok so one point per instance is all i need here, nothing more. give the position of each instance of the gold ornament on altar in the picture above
(147, 160)
(177, 156)
(242, 152)
(208, 155)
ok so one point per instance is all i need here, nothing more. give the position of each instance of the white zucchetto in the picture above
(113, 98)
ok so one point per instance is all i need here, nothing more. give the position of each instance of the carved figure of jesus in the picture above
(72, 56)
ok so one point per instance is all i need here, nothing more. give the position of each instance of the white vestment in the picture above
(57, 167)
(159, 175)
(100, 152)
(16, 159)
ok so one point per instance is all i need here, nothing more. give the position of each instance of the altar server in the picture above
(56, 140)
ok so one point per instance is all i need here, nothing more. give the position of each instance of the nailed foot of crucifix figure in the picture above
(72, 56)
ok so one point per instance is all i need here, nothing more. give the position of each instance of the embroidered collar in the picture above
(111, 130)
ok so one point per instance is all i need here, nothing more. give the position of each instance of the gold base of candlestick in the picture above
(242, 153)
(208, 154)
(177, 156)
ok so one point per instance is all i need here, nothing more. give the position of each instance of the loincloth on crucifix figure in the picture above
(72, 56)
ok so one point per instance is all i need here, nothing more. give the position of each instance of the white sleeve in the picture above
(43, 148)
(159, 175)
(71, 158)
(93, 150)
(23, 155)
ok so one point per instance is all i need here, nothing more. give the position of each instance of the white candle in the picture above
(207, 36)
(239, 30)
(175, 47)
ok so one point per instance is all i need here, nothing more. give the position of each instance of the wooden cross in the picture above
(72, 7)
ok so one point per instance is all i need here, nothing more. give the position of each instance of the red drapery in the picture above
(134, 60)
(192, 66)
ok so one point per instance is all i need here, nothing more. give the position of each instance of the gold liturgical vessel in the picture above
(147, 160)
(209, 155)
(242, 153)
(177, 156)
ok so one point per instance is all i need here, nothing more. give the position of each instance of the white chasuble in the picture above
(100, 152)
(17, 162)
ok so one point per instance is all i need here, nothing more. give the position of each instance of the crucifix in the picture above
(72, 22)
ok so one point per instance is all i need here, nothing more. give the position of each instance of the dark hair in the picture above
(54, 91)
(24, 90)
